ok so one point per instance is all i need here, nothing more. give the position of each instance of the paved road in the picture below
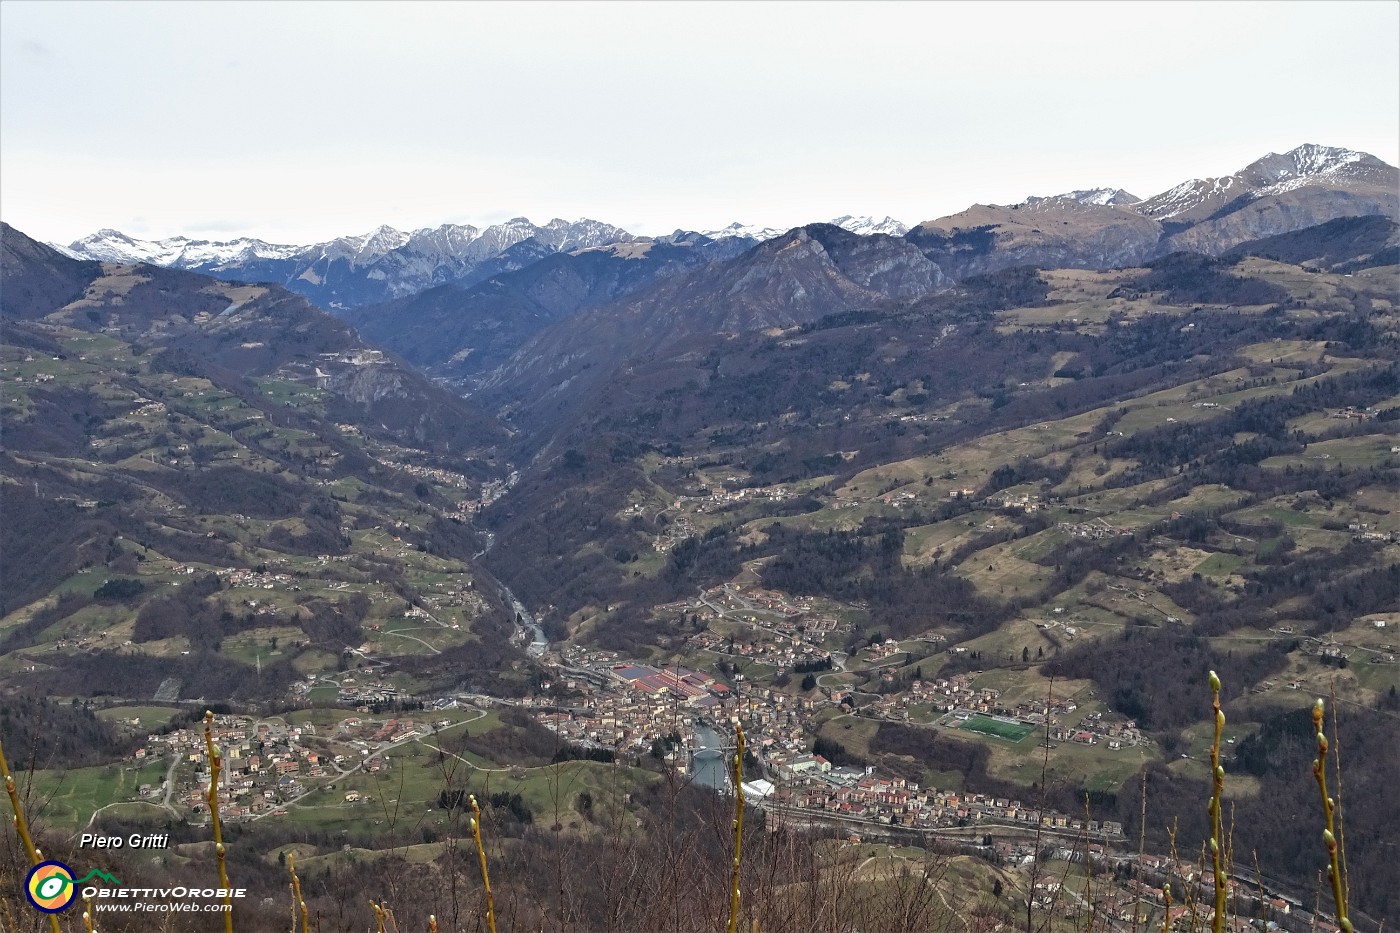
(164, 804)
(170, 785)
(414, 638)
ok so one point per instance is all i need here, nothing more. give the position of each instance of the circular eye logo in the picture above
(50, 887)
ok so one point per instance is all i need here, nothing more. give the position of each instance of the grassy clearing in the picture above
(1219, 565)
(421, 854)
(1093, 767)
(1001, 575)
(924, 543)
(1110, 501)
(1008, 641)
(851, 731)
(72, 795)
(1368, 450)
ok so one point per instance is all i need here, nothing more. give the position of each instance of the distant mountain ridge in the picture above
(462, 301)
(1095, 228)
(548, 329)
(1104, 228)
(386, 263)
(798, 278)
(380, 265)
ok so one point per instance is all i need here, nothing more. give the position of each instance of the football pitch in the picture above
(1011, 731)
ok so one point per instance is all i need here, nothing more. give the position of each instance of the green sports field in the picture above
(1011, 731)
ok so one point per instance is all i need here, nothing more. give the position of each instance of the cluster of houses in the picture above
(717, 500)
(783, 654)
(267, 763)
(1353, 414)
(878, 651)
(496, 488)
(1095, 728)
(627, 706)
(264, 765)
(812, 784)
(1365, 531)
(795, 616)
(955, 698)
(1268, 913)
(954, 692)
(366, 689)
(445, 477)
(676, 532)
(1092, 529)
(731, 599)
(627, 722)
(1025, 501)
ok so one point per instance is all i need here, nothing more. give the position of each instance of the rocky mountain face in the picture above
(37, 277)
(1308, 166)
(1277, 194)
(1108, 228)
(1064, 231)
(462, 333)
(243, 332)
(1346, 245)
(798, 278)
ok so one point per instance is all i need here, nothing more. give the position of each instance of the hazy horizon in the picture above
(297, 123)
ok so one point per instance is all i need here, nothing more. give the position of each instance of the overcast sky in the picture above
(301, 122)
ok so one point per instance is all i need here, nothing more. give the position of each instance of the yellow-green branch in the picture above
(738, 827)
(22, 825)
(216, 766)
(481, 855)
(297, 903)
(1329, 807)
(1217, 841)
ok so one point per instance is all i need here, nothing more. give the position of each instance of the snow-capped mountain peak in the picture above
(748, 231)
(1274, 174)
(1308, 159)
(384, 263)
(583, 233)
(1088, 197)
(372, 245)
(107, 245)
(1103, 197)
(866, 226)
